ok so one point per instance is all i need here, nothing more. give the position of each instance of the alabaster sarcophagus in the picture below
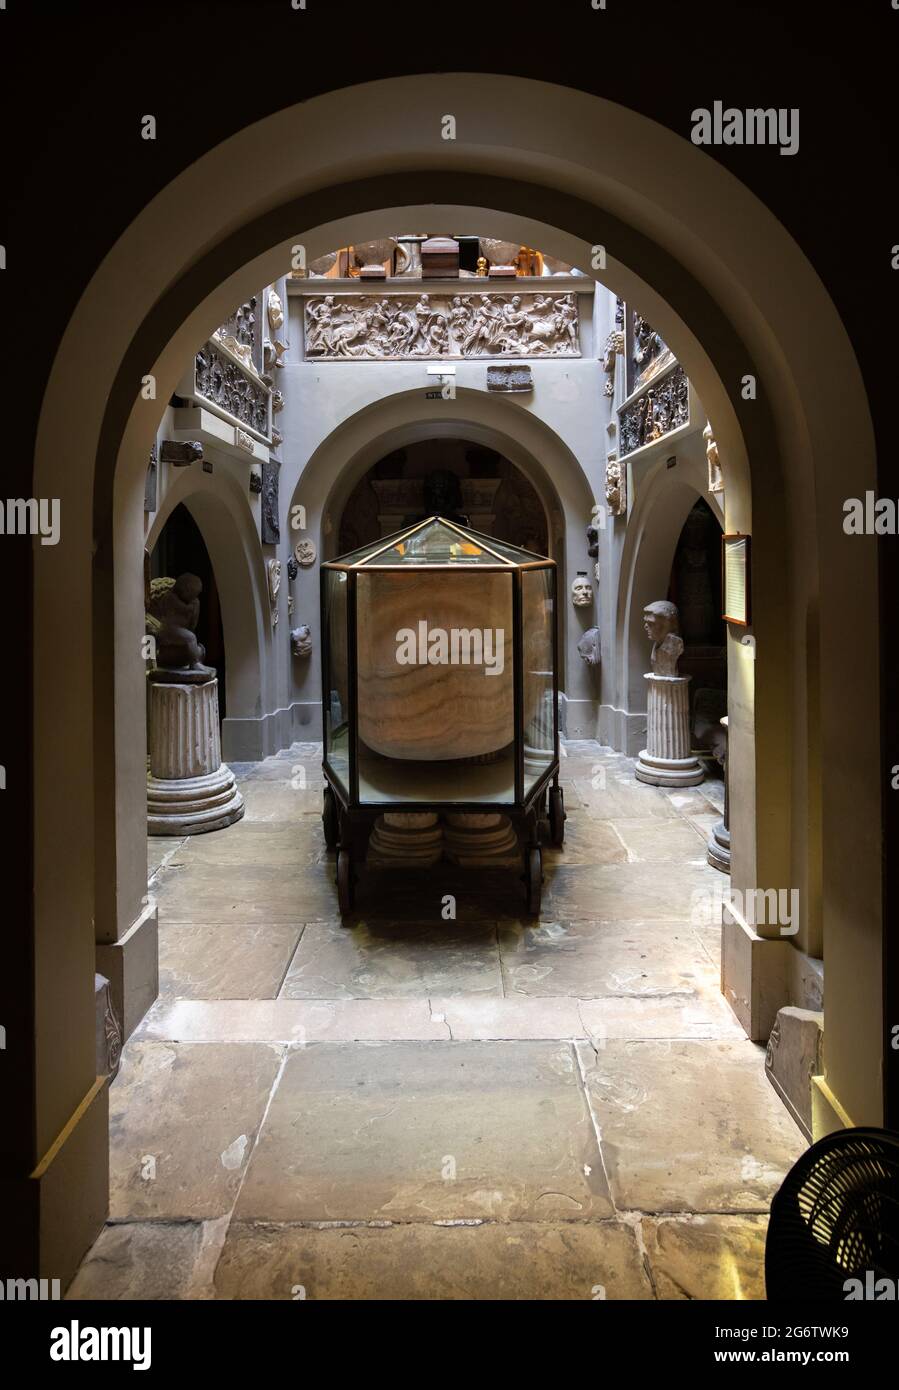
(439, 666)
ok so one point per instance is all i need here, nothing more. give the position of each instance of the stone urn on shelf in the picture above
(667, 761)
(189, 789)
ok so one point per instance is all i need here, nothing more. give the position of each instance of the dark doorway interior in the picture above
(695, 586)
(493, 495)
(181, 549)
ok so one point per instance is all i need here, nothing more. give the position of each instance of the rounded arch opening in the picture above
(731, 294)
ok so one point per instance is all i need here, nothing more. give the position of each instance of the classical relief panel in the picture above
(242, 333)
(663, 408)
(406, 326)
(221, 381)
(651, 354)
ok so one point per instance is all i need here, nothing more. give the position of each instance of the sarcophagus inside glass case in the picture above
(439, 669)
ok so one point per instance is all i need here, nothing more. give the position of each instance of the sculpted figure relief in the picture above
(660, 623)
(274, 587)
(716, 476)
(616, 485)
(441, 325)
(275, 310)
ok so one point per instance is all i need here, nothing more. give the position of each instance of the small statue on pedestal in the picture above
(189, 789)
(176, 609)
(667, 760)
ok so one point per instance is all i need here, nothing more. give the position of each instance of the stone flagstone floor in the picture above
(410, 1108)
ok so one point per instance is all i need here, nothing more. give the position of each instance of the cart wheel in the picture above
(344, 881)
(329, 818)
(557, 816)
(533, 877)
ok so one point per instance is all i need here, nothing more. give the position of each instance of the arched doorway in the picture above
(180, 549)
(738, 295)
(495, 496)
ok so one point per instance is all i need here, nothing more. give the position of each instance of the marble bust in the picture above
(660, 623)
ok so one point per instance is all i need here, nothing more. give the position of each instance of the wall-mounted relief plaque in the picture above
(472, 323)
(736, 578)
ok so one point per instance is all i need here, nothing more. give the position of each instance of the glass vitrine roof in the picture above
(437, 541)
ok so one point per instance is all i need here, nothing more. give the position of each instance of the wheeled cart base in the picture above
(347, 831)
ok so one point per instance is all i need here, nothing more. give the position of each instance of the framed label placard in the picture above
(736, 578)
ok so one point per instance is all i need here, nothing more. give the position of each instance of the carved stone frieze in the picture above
(663, 408)
(271, 525)
(650, 352)
(441, 325)
(221, 381)
(616, 484)
(502, 377)
(243, 333)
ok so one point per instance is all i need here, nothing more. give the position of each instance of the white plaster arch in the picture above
(729, 290)
(403, 417)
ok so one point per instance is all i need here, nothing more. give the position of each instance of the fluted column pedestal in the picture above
(719, 836)
(189, 789)
(666, 760)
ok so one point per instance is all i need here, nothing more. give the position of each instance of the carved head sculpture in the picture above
(659, 619)
(301, 640)
(581, 591)
(660, 623)
(588, 647)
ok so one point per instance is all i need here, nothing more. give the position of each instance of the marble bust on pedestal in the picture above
(667, 759)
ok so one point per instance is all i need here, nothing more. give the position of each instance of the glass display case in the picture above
(439, 688)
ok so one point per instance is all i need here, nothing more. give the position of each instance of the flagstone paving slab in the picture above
(689, 1126)
(224, 960)
(707, 1257)
(411, 1132)
(588, 959)
(183, 1120)
(396, 960)
(509, 1261)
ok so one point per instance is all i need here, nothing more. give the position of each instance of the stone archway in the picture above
(347, 453)
(220, 509)
(732, 295)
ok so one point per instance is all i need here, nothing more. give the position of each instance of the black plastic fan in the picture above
(836, 1217)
